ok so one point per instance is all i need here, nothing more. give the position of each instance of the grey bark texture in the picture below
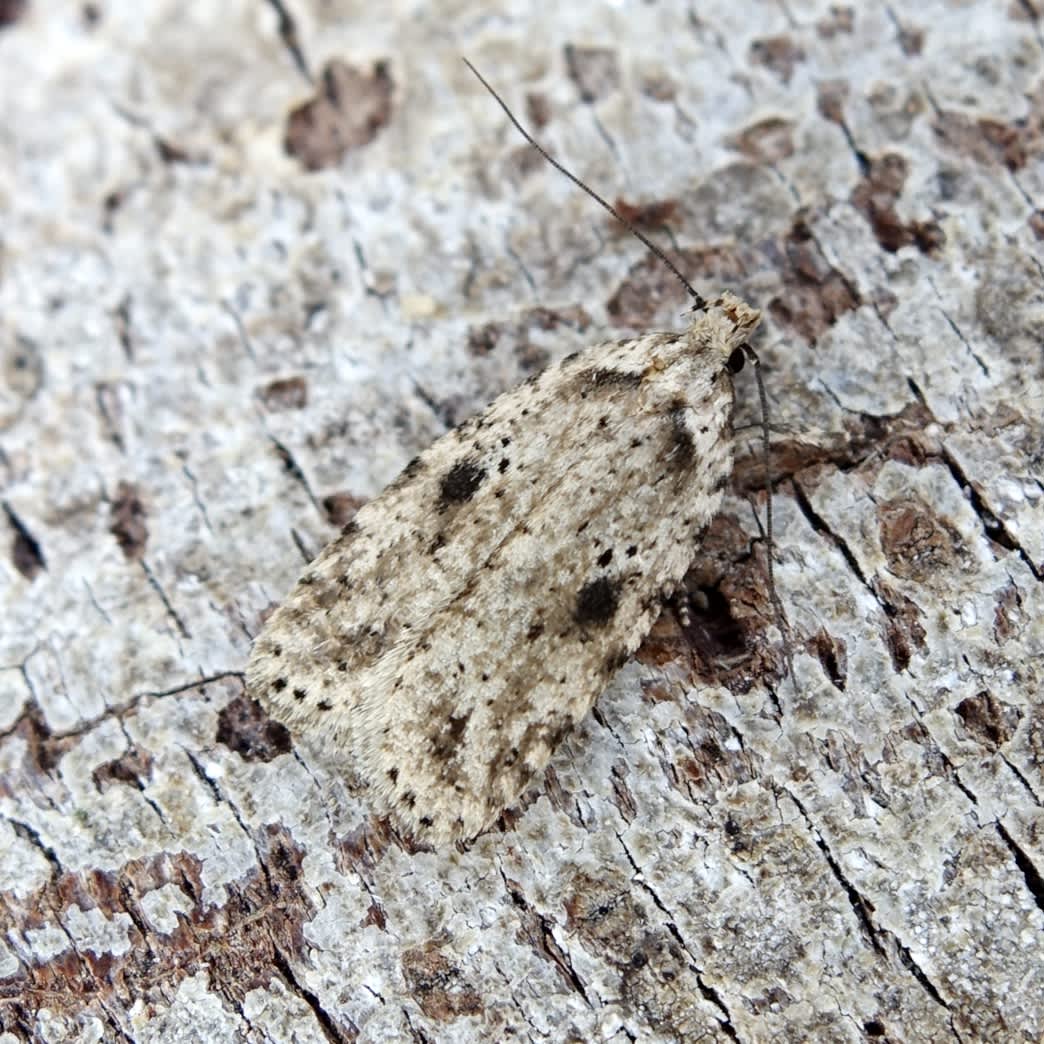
(254, 256)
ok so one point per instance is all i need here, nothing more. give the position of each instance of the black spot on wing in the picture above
(603, 377)
(596, 602)
(459, 484)
(445, 743)
(683, 449)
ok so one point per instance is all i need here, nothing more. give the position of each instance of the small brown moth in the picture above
(470, 615)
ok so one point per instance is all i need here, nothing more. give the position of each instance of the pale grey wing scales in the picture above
(469, 709)
(473, 612)
(412, 548)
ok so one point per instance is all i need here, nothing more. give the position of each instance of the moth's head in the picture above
(723, 326)
(736, 314)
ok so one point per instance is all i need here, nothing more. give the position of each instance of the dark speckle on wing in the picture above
(459, 484)
(596, 602)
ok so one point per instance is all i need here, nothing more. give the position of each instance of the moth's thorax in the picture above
(694, 365)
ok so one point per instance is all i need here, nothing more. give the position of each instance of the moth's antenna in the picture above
(770, 541)
(698, 300)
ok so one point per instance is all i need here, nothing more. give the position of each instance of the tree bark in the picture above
(254, 257)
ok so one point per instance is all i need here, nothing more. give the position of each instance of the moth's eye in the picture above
(736, 361)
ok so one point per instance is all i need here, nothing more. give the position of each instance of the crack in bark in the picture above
(863, 910)
(820, 526)
(964, 340)
(538, 933)
(327, 1023)
(295, 471)
(244, 338)
(287, 28)
(171, 611)
(112, 710)
(26, 554)
(992, 525)
(197, 500)
(1030, 874)
(30, 835)
(709, 993)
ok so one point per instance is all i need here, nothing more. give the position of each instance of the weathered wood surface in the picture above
(226, 320)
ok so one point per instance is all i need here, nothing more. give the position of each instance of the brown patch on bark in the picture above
(340, 508)
(438, 985)
(21, 375)
(621, 795)
(42, 748)
(1007, 616)
(779, 54)
(917, 544)
(903, 631)
(838, 19)
(656, 981)
(991, 722)
(830, 100)
(865, 439)
(832, 653)
(538, 109)
(552, 318)
(245, 728)
(992, 142)
(724, 611)
(709, 764)
(236, 943)
(1035, 734)
(651, 291)
(361, 849)
(285, 393)
(654, 214)
(132, 767)
(127, 523)
(911, 39)
(767, 141)
(875, 198)
(347, 112)
(659, 86)
(816, 294)
(594, 70)
(536, 932)
(516, 335)
(11, 11)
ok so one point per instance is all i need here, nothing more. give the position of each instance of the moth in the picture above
(469, 616)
